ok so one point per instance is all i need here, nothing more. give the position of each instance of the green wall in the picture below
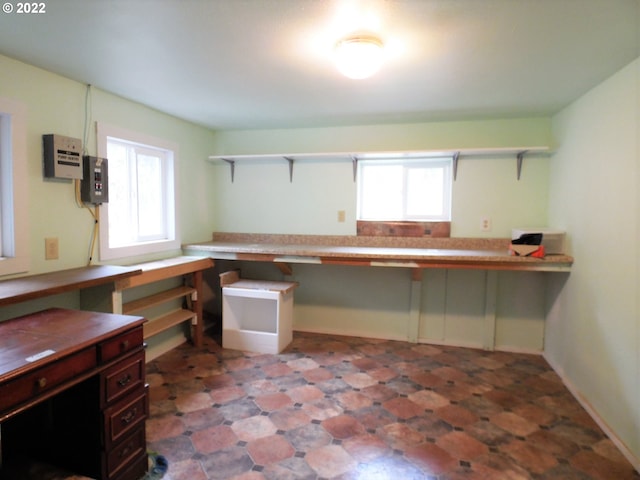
(488, 133)
(593, 324)
(262, 199)
(57, 105)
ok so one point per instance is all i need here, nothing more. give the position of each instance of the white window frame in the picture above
(14, 211)
(143, 247)
(445, 163)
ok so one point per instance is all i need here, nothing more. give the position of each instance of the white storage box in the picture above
(552, 240)
(257, 315)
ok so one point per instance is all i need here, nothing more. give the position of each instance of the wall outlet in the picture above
(51, 248)
(341, 216)
(485, 224)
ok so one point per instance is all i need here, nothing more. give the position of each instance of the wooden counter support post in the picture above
(195, 300)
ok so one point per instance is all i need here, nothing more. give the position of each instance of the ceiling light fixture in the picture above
(359, 56)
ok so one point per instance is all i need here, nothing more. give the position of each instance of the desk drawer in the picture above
(124, 377)
(120, 345)
(125, 416)
(132, 448)
(33, 384)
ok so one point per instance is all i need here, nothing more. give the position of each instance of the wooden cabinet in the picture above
(189, 271)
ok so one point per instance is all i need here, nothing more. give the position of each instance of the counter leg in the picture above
(415, 300)
(491, 292)
(198, 326)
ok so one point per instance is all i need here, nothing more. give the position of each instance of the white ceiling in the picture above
(233, 64)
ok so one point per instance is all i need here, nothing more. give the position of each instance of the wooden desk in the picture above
(73, 394)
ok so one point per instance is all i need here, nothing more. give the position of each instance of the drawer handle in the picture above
(129, 416)
(125, 380)
(124, 345)
(41, 382)
(126, 450)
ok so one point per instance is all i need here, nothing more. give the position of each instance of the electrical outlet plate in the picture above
(485, 224)
(51, 248)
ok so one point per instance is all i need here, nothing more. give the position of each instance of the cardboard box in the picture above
(552, 240)
(527, 250)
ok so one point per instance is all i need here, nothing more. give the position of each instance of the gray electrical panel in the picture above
(62, 156)
(95, 184)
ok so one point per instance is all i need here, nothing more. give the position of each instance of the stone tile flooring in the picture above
(351, 408)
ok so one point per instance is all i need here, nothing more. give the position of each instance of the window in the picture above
(415, 189)
(140, 216)
(14, 226)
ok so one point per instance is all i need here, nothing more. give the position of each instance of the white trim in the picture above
(351, 333)
(15, 181)
(102, 132)
(635, 461)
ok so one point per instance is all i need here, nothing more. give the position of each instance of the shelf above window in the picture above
(516, 153)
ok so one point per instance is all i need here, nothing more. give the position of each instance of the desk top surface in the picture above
(33, 340)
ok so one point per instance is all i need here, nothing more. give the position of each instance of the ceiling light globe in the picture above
(359, 57)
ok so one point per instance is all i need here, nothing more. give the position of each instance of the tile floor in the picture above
(351, 408)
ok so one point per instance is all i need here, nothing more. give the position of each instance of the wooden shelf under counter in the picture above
(187, 268)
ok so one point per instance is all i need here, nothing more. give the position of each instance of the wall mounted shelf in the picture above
(517, 153)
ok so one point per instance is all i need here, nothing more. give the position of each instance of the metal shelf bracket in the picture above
(291, 161)
(456, 157)
(520, 157)
(232, 166)
(354, 161)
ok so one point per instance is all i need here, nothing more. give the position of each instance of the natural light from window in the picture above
(13, 188)
(413, 189)
(141, 212)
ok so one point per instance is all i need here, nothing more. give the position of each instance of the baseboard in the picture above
(446, 343)
(479, 346)
(356, 333)
(350, 333)
(635, 462)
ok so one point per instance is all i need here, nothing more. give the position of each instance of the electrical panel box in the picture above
(95, 184)
(62, 156)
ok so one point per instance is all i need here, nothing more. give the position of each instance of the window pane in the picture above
(151, 221)
(137, 189)
(424, 192)
(404, 189)
(381, 197)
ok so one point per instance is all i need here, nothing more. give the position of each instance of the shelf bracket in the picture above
(232, 166)
(284, 268)
(520, 157)
(456, 157)
(290, 160)
(354, 161)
